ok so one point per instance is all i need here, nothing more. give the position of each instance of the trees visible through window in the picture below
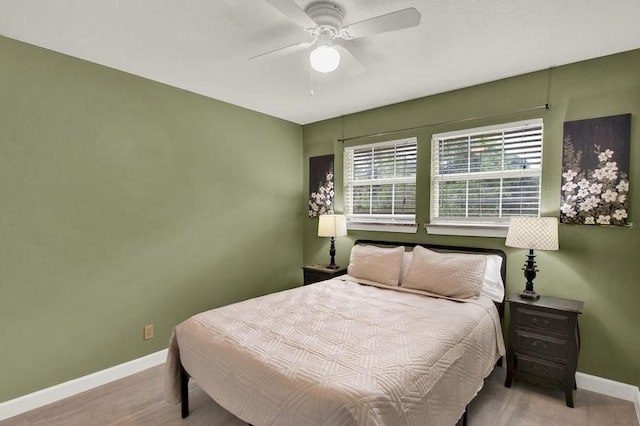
(380, 183)
(486, 175)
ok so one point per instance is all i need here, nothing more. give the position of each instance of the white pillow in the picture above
(492, 284)
(382, 265)
(454, 275)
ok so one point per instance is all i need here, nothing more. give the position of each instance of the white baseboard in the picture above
(72, 387)
(610, 388)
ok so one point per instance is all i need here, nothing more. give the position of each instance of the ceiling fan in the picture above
(323, 21)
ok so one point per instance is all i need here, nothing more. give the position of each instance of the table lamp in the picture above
(332, 225)
(532, 233)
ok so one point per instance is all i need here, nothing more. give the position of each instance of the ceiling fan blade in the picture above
(281, 51)
(290, 9)
(353, 66)
(400, 19)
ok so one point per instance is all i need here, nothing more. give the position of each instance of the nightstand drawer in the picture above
(541, 368)
(542, 345)
(544, 321)
(314, 277)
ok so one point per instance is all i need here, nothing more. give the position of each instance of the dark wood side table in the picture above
(544, 342)
(315, 273)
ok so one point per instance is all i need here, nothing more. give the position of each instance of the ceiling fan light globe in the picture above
(324, 58)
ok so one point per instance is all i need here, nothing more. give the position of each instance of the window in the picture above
(380, 185)
(481, 177)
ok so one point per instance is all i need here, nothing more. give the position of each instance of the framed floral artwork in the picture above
(321, 190)
(595, 170)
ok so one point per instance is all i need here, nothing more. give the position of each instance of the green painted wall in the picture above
(126, 202)
(598, 265)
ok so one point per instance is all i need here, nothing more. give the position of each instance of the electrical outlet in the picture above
(148, 332)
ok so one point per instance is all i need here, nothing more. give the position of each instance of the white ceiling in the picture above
(203, 46)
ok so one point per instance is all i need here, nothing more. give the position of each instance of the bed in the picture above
(382, 345)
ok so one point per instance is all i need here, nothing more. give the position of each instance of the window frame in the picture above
(478, 226)
(403, 223)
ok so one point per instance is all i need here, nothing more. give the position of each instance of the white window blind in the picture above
(486, 175)
(380, 183)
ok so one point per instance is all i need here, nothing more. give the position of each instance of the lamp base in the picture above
(530, 271)
(529, 294)
(332, 266)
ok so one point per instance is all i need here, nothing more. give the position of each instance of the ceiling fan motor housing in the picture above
(327, 15)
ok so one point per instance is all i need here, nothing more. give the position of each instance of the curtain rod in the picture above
(442, 123)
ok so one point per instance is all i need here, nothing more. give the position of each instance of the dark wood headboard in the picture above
(456, 249)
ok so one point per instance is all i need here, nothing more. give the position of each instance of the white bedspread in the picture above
(339, 353)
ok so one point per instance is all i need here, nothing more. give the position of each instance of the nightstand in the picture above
(315, 273)
(544, 342)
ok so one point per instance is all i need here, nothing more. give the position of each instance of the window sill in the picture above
(383, 227)
(467, 229)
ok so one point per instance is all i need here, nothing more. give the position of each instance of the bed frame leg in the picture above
(184, 391)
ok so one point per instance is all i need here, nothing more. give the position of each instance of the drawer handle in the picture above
(537, 342)
(545, 323)
(538, 366)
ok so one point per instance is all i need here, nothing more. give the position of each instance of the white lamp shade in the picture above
(332, 225)
(537, 233)
(324, 58)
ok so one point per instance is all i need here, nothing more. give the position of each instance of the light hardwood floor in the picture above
(138, 400)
